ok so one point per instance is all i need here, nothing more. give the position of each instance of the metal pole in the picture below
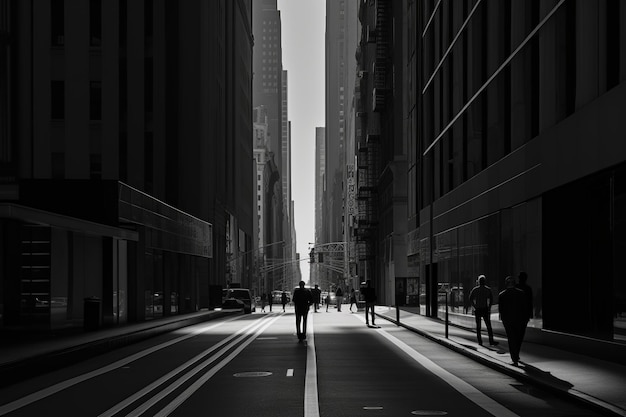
(447, 313)
(397, 312)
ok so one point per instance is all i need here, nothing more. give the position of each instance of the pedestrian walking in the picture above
(481, 300)
(317, 297)
(369, 294)
(514, 316)
(283, 299)
(353, 300)
(339, 296)
(302, 299)
(327, 301)
(263, 302)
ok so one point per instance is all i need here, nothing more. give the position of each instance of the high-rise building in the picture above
(342, 32)
(270, 90)
(504, 121)
(320, 196)
(125, 157)
(521, 142)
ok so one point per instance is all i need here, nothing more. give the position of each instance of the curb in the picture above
(515, 372)
(22, 369)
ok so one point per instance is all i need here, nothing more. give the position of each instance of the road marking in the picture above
(252, 374)
(467, 390)
(167, 410)
(311, 402)
(128, 401)
(36, 396)
(289, 372)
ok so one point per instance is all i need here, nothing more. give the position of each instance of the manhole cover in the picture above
(428, 413)
(251, 374)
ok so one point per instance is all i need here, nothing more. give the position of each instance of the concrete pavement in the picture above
(595, 382)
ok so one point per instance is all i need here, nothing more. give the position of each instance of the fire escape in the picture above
(367, 198)
(374, 57)
(379, 92)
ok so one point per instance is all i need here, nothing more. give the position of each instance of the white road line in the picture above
(311, 401)
(128, 401)
(289, 372)
(167, 410)
(36, 396)
(455, 382)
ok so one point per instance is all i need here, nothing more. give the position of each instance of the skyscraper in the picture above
(120, 119)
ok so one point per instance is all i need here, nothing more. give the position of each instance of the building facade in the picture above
(270, 90)
(489, 141)
(341, 40)
(117, 123)
(523, 157)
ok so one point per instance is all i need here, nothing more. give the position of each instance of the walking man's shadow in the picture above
(544, 376)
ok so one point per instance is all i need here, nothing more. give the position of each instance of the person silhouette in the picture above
(482, 299)
(353, 300)
(302, 299)
(317, 294)
(369, 294)
(514, 316)
(283, 299)
(339, 297)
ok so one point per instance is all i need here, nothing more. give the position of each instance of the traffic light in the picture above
(312, 256)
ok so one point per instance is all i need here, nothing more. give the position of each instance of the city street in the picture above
(253, 365)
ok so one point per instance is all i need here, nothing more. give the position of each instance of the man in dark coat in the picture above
(317, 297)
(369, 294)
(514, 316)
(302, 299)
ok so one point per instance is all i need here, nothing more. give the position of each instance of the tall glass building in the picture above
(520, 156)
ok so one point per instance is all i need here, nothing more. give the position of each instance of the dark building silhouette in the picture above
(125, 158)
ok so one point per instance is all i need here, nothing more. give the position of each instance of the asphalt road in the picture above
(254, 366)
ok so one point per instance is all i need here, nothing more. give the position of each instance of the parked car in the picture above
(242, 295)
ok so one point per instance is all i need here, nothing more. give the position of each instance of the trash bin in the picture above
(92, 313)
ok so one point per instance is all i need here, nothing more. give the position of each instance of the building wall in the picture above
(521, 152)
(122, 113)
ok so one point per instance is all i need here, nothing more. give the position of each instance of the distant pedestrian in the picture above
(317, 297)
(302, 299)
(369, 294)
(283, 299)
(339, 296)
(353, 300)
(263, 302)
(482, 299)
(327, 301)
(514, 316)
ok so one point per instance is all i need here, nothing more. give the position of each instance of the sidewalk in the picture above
(22, 359)
(592, 381)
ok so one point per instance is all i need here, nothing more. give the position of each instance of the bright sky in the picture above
(303, 32)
